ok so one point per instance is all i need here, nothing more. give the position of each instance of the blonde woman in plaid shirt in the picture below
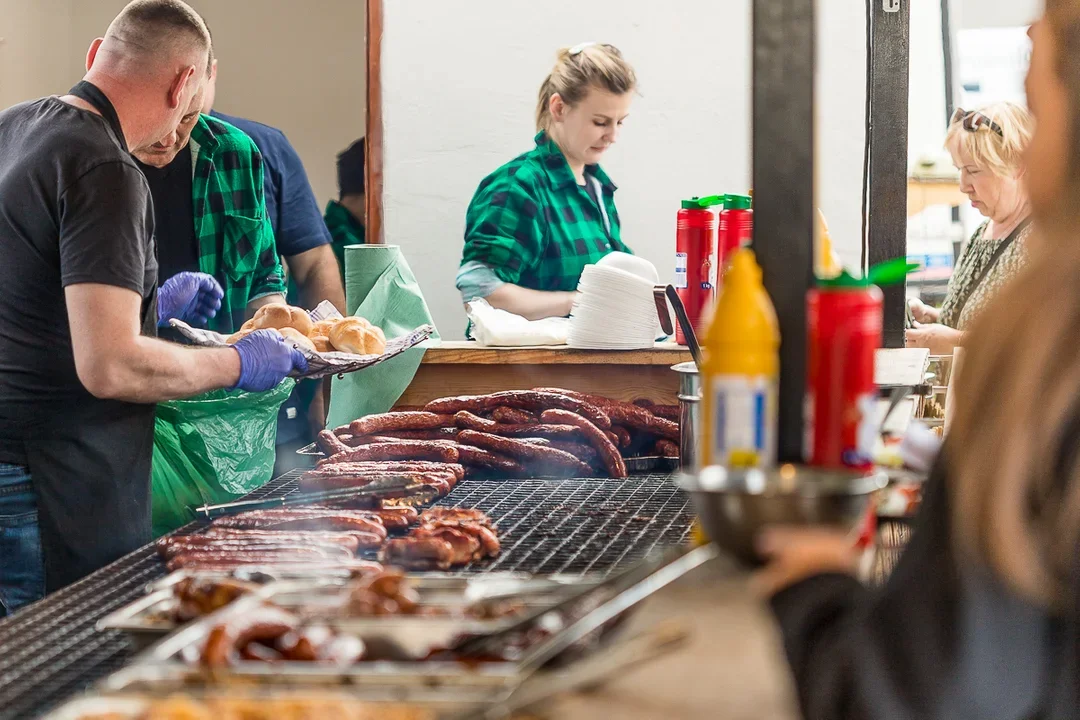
(536, 222)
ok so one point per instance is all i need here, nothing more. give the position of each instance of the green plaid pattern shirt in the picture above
(532, 224)
(236, 240)
(344, 229)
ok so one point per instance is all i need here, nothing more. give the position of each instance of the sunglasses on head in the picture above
(974, 120)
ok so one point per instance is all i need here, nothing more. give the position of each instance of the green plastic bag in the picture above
(380, 286)
(212, 449)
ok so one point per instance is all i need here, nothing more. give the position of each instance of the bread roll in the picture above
(321, 343)
(357, 335)
(239, 334)
(295, 337)
(322, 328)
(279, 315)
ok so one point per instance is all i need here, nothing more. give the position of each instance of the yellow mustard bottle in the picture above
(740, 370)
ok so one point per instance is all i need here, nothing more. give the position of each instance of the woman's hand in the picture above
(922, 312)
(939, 339)
(795, 554)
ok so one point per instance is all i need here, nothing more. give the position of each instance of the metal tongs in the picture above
(626, 588)
(668, 293)
(395, 487)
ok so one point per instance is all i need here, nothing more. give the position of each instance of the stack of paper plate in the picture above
(614, 310)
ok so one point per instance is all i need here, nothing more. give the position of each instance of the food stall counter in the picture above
(465, 368)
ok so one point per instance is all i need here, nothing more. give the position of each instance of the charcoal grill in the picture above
(52, 650)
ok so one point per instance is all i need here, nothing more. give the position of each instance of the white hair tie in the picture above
(576, 50)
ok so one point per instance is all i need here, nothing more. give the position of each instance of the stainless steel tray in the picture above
(418, 635)
(169, 654)
(135, 690)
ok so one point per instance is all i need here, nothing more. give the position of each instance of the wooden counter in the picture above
(464, 368)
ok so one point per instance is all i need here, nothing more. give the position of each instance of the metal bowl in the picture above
(732, 505)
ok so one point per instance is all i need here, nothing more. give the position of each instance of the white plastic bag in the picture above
(492, 327)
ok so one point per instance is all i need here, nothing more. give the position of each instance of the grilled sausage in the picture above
(388, 466)
(481, 458)
(622, 434)
(408, 450)
(330, 444)
(627, 414)
(513, 416)
(419, 553)
(530, 400)
(223, 545)
(261, 624)
(393, 421)
(350, 541)
(470, 421)
(666, 448)
(609, 454)
(551, 460)
(304, 519)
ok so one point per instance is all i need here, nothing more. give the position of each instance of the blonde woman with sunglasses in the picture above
(987, 146)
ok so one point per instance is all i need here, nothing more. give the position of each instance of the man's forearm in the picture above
(531, 304)
(157, 370)
(264, 300)
(318, 276)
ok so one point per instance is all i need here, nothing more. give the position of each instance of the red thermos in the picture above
(844, 318)
(736, 229)
(695, 259)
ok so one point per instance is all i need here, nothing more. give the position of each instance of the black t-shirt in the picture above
(74, 208)
(174, 216)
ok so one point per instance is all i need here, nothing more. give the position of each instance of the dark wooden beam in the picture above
(373, 181)
(783, 137)
(889, 65)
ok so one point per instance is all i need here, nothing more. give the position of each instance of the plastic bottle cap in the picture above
(696, 203)
(889, 272)
(738, 202)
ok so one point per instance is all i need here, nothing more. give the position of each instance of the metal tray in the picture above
(418, 635)
(599, 612)
(144, 686)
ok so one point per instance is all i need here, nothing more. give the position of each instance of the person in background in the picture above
(304, 243)
(981, 616)
(206, 180)
(80, 369)
(535, 223)
(345, 216)
(987, 147)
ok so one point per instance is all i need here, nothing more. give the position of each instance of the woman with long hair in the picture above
(980, 617)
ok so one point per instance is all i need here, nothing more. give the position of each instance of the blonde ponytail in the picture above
(579, 69)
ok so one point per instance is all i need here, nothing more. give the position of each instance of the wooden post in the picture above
(373, 180)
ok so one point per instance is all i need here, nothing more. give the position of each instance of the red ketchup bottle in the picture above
(736, 227)
(695, 259)
(844, 316)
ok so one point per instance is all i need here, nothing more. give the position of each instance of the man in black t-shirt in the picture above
(79, 366)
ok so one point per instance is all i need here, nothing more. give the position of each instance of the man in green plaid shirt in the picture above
(207, 186)
(531, 224)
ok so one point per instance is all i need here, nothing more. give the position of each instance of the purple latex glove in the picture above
(265, 360)
(189, 296)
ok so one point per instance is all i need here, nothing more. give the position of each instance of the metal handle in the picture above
(660, 297)
(684, 323)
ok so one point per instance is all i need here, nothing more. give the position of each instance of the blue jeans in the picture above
(22, 566)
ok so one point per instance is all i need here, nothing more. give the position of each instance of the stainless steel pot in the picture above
(689, 413)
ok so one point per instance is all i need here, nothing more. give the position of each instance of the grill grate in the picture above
(52, 650)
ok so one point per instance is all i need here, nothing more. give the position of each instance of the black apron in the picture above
(90, 467)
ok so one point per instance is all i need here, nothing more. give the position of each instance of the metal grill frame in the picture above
(52, 650)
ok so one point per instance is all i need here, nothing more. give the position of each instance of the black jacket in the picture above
(942, 639)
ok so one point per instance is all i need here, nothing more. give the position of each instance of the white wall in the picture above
(458, 96)
(35, 49)
(300, 68)
(994, 13)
